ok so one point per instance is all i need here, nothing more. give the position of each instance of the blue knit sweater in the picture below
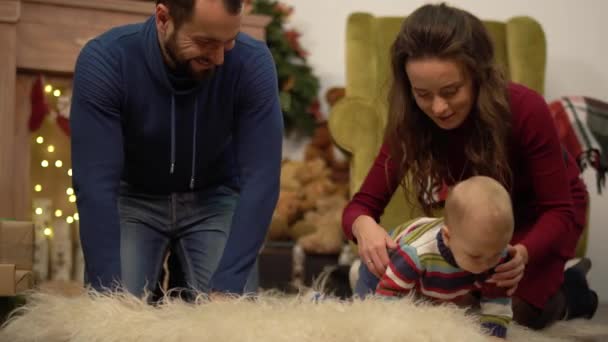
(132, 120)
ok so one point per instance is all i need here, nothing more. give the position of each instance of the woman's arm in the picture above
(375, 193)
(361, 215)
(544, 162)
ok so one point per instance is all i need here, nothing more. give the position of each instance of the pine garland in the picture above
(298, 85)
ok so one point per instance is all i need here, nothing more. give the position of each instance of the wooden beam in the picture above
(51, 34)
(22, 189)
(8, 75)
(123, 6)
(10, 11)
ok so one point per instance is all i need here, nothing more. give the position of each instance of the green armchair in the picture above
(357, 120)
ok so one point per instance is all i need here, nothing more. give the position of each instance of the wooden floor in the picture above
(601, 316)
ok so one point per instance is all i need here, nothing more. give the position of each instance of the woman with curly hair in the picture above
(452, 115)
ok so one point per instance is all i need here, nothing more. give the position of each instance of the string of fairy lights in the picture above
(48, 162)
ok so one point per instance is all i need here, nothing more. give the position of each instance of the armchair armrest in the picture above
(355, 127)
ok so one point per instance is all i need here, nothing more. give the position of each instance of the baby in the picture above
(446, 259)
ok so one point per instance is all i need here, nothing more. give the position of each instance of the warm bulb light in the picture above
(58, 213)
(45, 163)
(38, 211)
(48, 231)
(57, 93)
(69, 191)
(70, 172)
(76, 217)
(40, 140)
(38, 188)
(48, 88)
(58, 163)
(51, 148)
(70, 219)
(72, 199)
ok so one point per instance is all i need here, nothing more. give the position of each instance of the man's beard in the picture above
(182, 67)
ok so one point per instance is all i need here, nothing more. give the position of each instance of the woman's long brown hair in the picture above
(414, 140)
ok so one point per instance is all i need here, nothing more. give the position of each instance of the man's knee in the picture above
(199, 264)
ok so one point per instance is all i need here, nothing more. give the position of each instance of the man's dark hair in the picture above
(181, 10)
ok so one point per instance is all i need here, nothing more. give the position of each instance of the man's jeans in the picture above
(195, 225)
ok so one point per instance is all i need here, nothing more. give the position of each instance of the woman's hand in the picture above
(373, 242)
(510, 273)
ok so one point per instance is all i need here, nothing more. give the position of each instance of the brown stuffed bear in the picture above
(308, 192)
(321, 147)
(327, 237)
(314, 190)
(312, 169)
(289, 175)
(285, 213)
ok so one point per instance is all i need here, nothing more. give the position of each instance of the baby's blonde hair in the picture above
(480, 198)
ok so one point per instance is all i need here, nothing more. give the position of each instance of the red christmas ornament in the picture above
(40, 107)
(64, 124)
(293, 39)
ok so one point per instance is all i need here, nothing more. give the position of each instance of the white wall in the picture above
(577, 63)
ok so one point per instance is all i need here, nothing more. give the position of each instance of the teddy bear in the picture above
(311, 169)
(286, 212)
(289, 175)
(325, 224)
(314, 190)
(304, 200)
(322, 147)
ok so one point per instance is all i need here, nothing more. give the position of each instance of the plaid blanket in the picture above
(582, 125)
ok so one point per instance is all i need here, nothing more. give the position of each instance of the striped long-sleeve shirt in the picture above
(424, 264)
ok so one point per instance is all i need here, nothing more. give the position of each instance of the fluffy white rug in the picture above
(119, 317)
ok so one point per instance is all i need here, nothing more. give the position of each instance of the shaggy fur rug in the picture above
(121, 317)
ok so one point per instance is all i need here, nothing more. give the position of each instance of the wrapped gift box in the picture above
(16, 257)
(13, 281)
